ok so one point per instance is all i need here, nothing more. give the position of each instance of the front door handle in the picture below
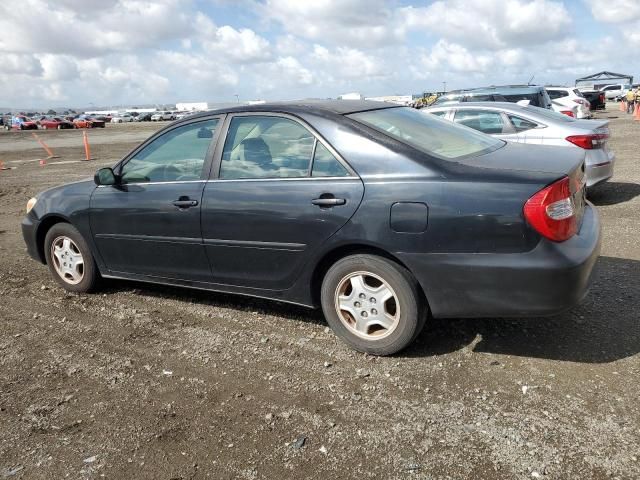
(328, 202)
(185, 202)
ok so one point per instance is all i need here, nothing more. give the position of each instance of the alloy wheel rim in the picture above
(367, 305)
(67, 260)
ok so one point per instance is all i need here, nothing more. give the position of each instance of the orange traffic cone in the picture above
(2, 167)
(623, 106)
(45, 146)
(87, 148)
(636, 113)
(43, 162)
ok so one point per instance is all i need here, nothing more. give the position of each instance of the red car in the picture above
(88, 122)
(55, 123)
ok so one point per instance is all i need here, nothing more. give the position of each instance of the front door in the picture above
(149, 223)
(280, 193)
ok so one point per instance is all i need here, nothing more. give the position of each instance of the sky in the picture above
(127, 52)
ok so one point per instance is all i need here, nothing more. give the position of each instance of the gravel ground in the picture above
(143, 381)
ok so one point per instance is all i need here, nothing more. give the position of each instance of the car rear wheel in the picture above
(69, 259)
(373, 304)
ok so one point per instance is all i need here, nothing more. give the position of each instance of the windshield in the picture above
(550, 114)
(429, 133)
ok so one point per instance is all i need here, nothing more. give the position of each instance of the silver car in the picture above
(528, 124)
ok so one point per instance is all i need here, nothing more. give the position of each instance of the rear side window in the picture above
(578, 93)
(266, 147)
(484, 121)
(520, 124)
(427, 133)
(326, 165)
(441, 113)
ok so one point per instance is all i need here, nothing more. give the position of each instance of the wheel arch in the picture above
(337, 253)
(45, 225)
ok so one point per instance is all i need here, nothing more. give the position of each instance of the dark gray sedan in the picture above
(381, 215)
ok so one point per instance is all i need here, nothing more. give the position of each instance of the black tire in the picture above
(412, 306)
(91, 275)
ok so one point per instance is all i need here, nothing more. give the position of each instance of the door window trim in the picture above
(214, 172)
(208, 159)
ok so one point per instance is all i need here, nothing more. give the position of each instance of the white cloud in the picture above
(615, 11)
(478, 24)
(361, 23)
(241, 46)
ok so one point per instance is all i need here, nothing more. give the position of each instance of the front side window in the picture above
(428, 133)
(177, 155)
(482, 120)
(266, 147)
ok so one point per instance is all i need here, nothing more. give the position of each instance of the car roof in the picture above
(515, 89)
(493, 105)
(339, 107)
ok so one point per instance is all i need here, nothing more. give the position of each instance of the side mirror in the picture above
(105, 176)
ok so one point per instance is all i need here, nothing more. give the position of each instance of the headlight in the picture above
(31, 203)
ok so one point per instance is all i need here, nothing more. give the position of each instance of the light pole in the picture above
(237, 98)
(444, 87)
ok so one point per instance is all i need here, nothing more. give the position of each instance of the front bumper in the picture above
(545, 281)
(30, 235)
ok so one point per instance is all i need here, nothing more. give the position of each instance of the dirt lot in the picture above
(142, 381)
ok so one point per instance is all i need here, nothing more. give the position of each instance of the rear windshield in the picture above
(429, 133)
(534, 98)
(451, 98)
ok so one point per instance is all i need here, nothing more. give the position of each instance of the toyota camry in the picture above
(383, 216)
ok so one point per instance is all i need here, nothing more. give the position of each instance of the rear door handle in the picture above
(328, 202)
(185, 203)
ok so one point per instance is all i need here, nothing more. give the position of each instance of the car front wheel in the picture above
(373, 304)
(69, 259)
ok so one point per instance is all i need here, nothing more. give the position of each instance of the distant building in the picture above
(193, 106)
(351, 96)
(397, 99)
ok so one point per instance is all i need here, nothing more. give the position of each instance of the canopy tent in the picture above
(601, 79)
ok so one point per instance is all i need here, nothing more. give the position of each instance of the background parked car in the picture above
(144, 117)
(55, 123)
(88, 122)
(615, 92)
(122, 118)
(162, 116)
(571, 97)
(21, 122)
(533, 125)
(535, 95)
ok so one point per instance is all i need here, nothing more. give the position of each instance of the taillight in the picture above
(569, 113)
(589, 142)
(552, 211)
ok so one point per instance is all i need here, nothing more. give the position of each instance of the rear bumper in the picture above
(29, 233)
(598, 166)
(545, 281)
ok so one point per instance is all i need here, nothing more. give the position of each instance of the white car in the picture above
(160, 116)
(122, 118)
(615, 92)
(569, 110)
(570, 97)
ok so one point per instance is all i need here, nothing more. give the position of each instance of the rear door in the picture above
(278, 191)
